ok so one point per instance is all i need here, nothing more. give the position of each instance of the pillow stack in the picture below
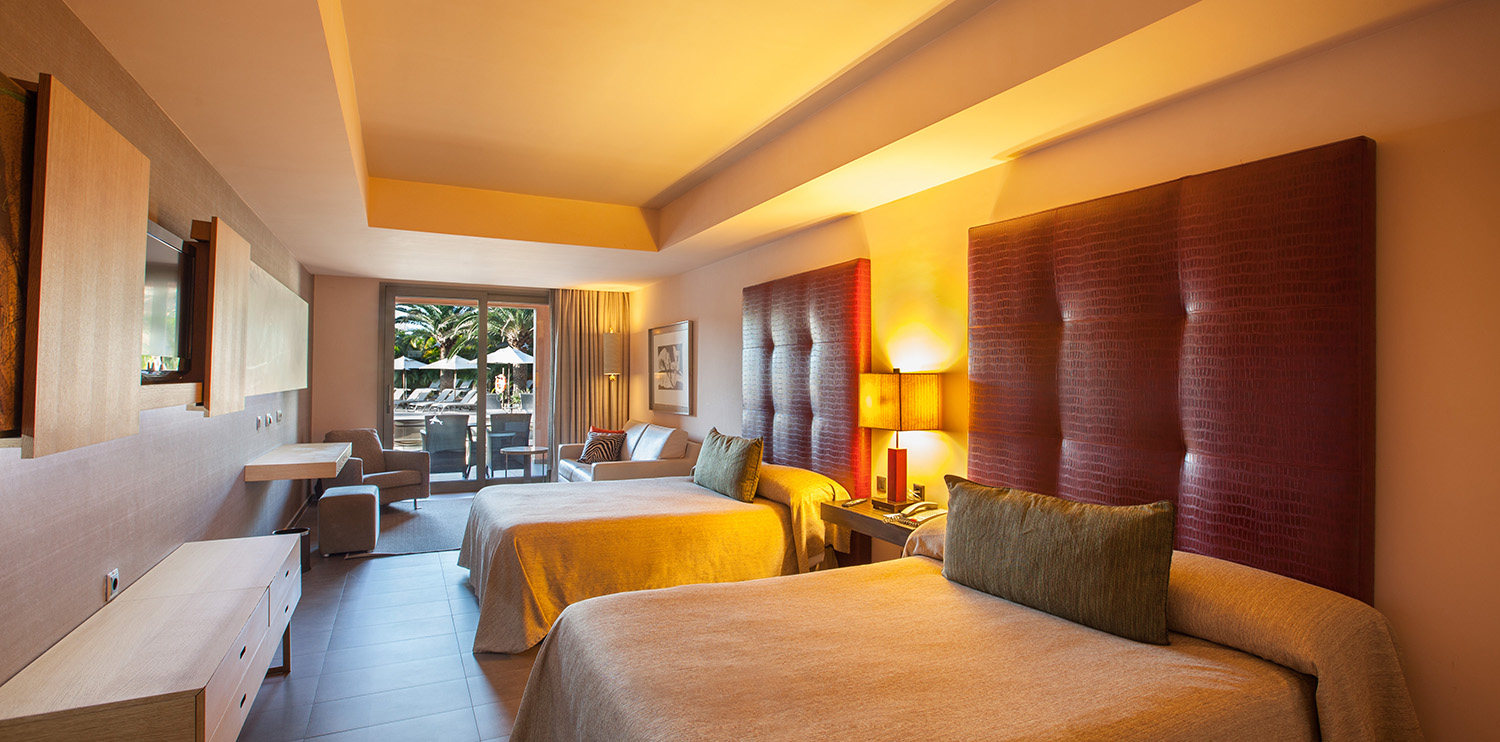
(602, 445)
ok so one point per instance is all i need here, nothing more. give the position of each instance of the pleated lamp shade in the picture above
(613, 354)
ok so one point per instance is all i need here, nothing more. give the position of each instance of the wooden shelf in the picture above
(186, 394)
(299, 461)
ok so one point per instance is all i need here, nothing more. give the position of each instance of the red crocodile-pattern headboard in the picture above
(806, 341)
(1208, 341)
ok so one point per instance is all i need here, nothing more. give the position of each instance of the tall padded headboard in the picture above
(1208, 341)
(806, 341)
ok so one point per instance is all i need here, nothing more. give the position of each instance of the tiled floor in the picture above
(381, 650)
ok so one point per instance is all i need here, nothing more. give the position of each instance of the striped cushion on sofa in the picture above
(602, 447)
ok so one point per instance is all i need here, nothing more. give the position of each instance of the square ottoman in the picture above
(348, 518)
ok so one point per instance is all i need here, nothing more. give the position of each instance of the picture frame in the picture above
(670, 353)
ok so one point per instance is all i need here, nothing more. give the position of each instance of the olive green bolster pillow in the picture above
(1101, 566)
(729, 465)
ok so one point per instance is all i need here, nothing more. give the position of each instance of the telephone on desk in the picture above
(916, 514)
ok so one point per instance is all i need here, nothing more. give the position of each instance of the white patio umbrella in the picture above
(404, 364)
(510, 357)
(452, 363)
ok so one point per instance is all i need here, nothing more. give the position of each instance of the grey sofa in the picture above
(650, 451)
(400, 475)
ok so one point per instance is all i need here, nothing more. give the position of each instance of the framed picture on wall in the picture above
(671, 354)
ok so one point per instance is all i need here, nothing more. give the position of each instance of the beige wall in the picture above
(710, 297)
(346, 340)
(127, 503)
(1425, 92)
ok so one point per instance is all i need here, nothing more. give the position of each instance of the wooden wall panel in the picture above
(88, 260)
(228, 297)
(17, 121)
(276, 339)
(129, 502)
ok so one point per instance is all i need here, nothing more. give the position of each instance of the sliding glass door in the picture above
(468, 383)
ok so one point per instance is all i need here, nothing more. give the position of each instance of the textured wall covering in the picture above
(806, 340)
(127, 503)
(1209, 341)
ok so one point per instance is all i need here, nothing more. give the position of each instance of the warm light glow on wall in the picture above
(917, 344)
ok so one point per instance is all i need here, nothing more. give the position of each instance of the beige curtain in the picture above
(581, 394)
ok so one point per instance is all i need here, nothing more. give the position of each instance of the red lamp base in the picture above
(895, 472)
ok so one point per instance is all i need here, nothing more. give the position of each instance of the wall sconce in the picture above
(897, 402)
(614, 364)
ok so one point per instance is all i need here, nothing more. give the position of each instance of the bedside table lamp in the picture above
(897, 402)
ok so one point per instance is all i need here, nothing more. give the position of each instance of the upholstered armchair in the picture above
(400, 475)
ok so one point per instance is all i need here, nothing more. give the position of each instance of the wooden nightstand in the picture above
(866, 522)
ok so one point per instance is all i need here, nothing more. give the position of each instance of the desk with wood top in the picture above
(299, 461)
(177, 656)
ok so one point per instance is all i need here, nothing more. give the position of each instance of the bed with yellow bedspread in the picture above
(534, 549)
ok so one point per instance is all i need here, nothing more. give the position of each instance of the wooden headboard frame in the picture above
(806, 341)
(1208, 341)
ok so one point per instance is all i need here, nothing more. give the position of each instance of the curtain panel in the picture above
(581, 394)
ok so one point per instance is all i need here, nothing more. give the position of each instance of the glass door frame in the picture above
(485, 296)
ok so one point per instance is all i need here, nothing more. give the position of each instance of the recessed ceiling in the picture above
(595, 101)
(505, 143)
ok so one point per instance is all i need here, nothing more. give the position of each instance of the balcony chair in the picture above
(446, 439)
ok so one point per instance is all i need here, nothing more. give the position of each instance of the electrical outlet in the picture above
(920, 491)
(880, 484)
(111, 585)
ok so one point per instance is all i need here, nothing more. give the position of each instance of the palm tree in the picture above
(437, 330)
(508, 326)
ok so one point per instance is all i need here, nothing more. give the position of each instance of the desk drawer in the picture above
(289, 574)
(226, 679)
(233, 718)
(281, 612)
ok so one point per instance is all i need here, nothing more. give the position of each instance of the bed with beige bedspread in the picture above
(534, 549)
(1253, 656)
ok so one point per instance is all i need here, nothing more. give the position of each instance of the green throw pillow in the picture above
(1100, 566)
(729, 465)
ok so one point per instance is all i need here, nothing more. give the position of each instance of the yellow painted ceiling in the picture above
(610, 101)
(505, 143)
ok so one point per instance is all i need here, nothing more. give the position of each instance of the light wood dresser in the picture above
(179, 655)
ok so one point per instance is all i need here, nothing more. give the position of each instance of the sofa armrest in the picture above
(570, 451)
(352, 473)
(617, 470)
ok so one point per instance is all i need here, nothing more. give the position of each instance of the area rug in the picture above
(438, 525)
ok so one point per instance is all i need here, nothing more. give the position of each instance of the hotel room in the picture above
(674, 163)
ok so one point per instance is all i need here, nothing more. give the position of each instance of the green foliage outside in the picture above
(432, 332)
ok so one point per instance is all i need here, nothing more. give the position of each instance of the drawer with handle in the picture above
(229, 723)
(226, 679)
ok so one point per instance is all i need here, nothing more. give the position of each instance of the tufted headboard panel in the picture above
(806, 341)
(1208, 341)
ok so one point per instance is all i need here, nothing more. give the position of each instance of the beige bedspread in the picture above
(932, 660)
(534, 549)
